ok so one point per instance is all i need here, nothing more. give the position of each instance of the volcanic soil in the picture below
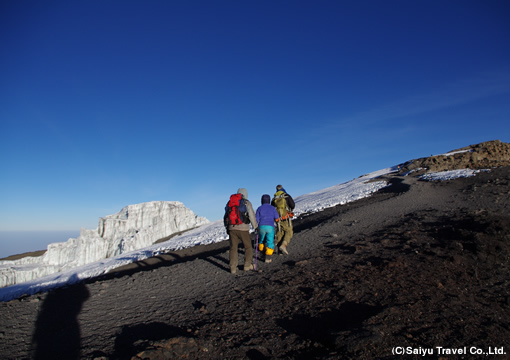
(417, 265)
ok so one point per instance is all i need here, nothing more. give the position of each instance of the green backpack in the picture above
(281, 203)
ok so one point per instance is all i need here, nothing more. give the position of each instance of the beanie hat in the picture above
(266, 199)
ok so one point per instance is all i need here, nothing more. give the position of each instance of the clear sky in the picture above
(109, 103)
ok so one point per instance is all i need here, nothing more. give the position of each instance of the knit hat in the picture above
(266, 199)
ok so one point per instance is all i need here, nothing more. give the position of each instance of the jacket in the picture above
(266, 214)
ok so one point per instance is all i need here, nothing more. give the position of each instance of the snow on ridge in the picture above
(450, 174)
(342, 193)
(456, 152)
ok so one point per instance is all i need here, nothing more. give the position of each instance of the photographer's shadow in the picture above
(57, 330)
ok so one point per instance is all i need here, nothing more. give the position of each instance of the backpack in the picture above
(281, 203)
(236, 212)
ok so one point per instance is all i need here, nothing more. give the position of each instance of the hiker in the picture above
(238, 216)
(284, 205)
(266, 216)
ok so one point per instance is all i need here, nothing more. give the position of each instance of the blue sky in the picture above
(109, 103)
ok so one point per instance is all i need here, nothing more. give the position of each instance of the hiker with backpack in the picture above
(266, 216)
(284, 205)
(238, 216)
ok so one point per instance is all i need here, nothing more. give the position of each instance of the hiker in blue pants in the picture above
(266, 216)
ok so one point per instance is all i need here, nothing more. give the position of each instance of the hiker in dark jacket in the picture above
(284, 205)
(266, 215)
(241, 232)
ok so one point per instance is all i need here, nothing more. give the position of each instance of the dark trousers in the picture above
(234, 237)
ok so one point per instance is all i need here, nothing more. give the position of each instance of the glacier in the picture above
(134, 227)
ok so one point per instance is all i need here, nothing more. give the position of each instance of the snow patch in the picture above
(449, 175)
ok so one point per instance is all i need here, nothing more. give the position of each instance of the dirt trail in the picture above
(418, 264)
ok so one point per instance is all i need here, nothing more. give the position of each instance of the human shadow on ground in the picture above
(216, 254)
(203, 252)
(213, 253)
(57, 330)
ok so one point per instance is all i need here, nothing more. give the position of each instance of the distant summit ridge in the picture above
(134, 227)
(479, 156)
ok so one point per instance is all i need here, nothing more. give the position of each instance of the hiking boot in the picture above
(283, 249)
(248, 267)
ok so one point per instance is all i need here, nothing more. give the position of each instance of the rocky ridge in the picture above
(479, 156)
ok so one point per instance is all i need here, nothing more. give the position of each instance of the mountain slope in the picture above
(418, 265)
(424, 267)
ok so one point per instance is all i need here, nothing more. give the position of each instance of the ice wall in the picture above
(134, 227)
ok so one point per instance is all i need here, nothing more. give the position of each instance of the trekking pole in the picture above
(277, 240)
(256, 250)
